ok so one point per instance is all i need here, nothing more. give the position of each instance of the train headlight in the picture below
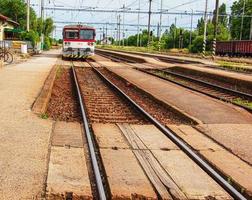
(67, 43)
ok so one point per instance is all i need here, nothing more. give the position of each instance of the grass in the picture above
(59, 72)
(143, 49)
(242, 102)
(232, 65)
(44, 116)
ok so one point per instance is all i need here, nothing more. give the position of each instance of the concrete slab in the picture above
(41, 103)
(109, 136)
(201, 107)
(171, 166)
(126, 178)
(235, 137)
(67, 134)
(68, 173)
(153, 138)
(24, 136)
(193, 181)
(229, 164)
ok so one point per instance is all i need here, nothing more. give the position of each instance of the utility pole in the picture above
(103, 34)
(106, 33)
(140, 39)
(149, 20)
(28, 16)
(243, 10)
(174, 34)
(160, 25)
(205, 29)
(191, 27)
(138, 21)
(215, 27)
(119, 23)
(42, 18)
(117, 30)
(123, 23)
(42, 9)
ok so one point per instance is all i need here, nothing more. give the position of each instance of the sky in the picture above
(87, 17)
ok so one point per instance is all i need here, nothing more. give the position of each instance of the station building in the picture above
(8, 28)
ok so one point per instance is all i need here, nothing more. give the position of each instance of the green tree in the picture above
(222, 31)
(236, 12)
(16, 10)
(48, 26)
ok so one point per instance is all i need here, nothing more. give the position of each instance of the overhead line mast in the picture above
(215, 27)
(205, 30)
(149, 20)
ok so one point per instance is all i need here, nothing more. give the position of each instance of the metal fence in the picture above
(10, 44)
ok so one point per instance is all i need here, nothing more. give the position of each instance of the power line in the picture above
(131, 11)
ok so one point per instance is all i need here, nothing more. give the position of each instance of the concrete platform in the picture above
(137, 58)
(200, 107)
(163, 163)
(68, 172)
(232, 166)
(235, 137)
(149, 60)
(24, 136)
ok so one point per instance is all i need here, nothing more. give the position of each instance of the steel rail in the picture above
(247, 95)
(98, 178)
(181, 144)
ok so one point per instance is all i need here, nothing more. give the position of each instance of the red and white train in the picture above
(78, 41)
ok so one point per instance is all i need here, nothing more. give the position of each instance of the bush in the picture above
(197, 44)
(31, 36)
(47, 43)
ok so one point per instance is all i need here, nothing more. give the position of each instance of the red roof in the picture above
(4, 18)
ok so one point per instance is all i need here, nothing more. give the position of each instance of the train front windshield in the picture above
(87, 34)
(71, 34)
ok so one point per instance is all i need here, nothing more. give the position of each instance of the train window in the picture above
(86, 34)
(71, 34)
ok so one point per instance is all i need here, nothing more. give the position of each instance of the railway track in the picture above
(238, 98)
(146, 116)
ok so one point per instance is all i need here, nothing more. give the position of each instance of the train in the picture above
(240, 48)
(78, 41)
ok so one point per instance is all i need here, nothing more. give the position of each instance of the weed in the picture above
(242, 102)
(44, 116)
(232, 66)
(59, 72)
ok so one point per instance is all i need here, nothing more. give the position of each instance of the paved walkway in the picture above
(24, 136)
(201, 107)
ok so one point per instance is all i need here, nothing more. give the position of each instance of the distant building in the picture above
(7, 28)
(106, 41)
